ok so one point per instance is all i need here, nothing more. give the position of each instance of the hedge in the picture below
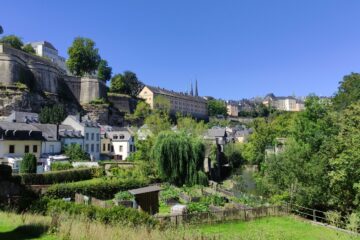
(72, 175)
(115, 215)
(101, 188)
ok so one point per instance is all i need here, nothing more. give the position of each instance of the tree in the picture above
(13, 41)
(191, 126)
(104, 71)
(83, 57)
(348, 91)
(158, 122)
(217, 107)
(52, 114)
(180, 158)
(142, 110)
(29, 49)
(28, 163)
(126, 83)
(162, 104)
(76, 153)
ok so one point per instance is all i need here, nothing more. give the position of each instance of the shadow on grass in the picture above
(31, 231)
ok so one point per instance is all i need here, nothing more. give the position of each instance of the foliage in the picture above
(334, 218)
(115, 215)
(123, 195)
(13, 41)
(83, 57)
(353, 222)
(1, 30)
(215, 200)
(126, 83)
(62, 176)
(101, 188)
(58, 166)
(76, 153)
(52, 114)
(168, 192)
(98, 101)
(21, 86)
(28, 48)
(5, 172)
(158, 122)
(348, 91)
(191, 126)
(233, 155)
(217, 107)
(28, 163)
(142, 110)
(197, 207)
(104, 71)
(179, 157)
(162, 104)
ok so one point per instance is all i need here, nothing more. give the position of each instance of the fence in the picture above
(224, 215)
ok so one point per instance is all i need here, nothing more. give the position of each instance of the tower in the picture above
(191, 90)
(196, 89)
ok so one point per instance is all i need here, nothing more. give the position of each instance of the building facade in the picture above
(289, 104)
(47, 50)
(232, 110)
(186, 104)
(117, 144)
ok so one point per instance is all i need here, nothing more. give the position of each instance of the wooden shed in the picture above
(147, 198)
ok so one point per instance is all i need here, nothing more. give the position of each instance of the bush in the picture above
(196, 207)
(58, 166)
(100, 188)
(5, 172)
(115, 215)
(76, 153)
(61, 176)
(28, 163)
(123, 195)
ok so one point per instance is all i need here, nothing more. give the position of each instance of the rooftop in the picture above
(164, 91)
(143, 190)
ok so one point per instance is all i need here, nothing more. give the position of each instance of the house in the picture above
(232, 109)
(22, 117)
(47, 50)
(216, 135)
(290, 104)
(51, 143)
(16, 139)
(90, 131)
(186, 104)
(69, 136)
(118, 144)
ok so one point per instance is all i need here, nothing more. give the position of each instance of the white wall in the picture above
(51, 147)
(92, 142)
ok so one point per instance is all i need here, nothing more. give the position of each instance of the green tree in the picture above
(158, 122)
(180, 158)
(29, 49)
(191, 126)
(348, 91)
(28, 163)
(217, 107)
(104, 71)
(76, 153)
(233, 155)
(52, 114)
(126, 83)
(162, 104)
(142, 110)
(13, 41)
(83, 57)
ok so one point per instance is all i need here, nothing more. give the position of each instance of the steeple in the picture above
(196, 89)
(191, 91)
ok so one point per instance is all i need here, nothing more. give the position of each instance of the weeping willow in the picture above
(180, 158)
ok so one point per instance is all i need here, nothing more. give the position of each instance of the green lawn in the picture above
(279, 228)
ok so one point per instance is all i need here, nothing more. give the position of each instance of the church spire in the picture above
(192, 91)
(196, 89)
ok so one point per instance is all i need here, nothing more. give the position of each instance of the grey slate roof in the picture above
(19, 131)
(148, 189)
(48, 131)
(125, 134)
(23, 117)
(164, 91)
(216, 132)
(67, 131)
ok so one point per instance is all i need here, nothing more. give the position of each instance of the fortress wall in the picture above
(91, 88)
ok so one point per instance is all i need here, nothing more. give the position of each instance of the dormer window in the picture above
(122, 136)
(115, 137)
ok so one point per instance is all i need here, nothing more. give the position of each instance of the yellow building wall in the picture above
(19, 147)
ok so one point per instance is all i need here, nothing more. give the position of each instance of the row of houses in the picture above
(21, 133)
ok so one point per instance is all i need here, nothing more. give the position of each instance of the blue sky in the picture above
(235, 49)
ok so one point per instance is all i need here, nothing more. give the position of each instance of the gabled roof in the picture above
(19, 131)
(216, 132)
(23, 117)
(48, 131)
(67, 131)
(163, 91)
(125, 134)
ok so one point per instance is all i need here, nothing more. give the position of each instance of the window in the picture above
(120, 148)
(104, 147)
(35, 148)
(112, 148)
(92, 148)
(97, 148)
(12, 149)
(109, 147)
(97, 137)
(87, 136)
(86, 147)
(115, 137)
(121, 136)
(92, 136)
(27, 149)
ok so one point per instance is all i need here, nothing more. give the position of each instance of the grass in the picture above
(275, 228)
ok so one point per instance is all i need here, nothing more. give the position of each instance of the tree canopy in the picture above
(76, 153)
(28, 163)
(29, 49)
(1, 30)
(126, 83)
(13, 41)
(83, 58)
(52, 114)
(104, 71)
(217, 107)
(348, 91)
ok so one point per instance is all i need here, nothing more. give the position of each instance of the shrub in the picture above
(353, 222)
(114, 215)
(100, 188)
(123, 195)
(58, 166)
(5, 172)
(61, 176)
(195, 207)
(76, 153)
(28, 163)
(333, 218)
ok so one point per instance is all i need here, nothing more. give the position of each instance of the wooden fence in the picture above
(224, 215)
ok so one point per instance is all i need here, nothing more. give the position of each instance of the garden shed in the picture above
(147, 198)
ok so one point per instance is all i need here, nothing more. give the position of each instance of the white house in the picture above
(46, 49)
(69, 136)
(51, 143)
(91, 132)
(121, 144)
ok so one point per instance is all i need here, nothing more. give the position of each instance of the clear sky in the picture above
(235, 49)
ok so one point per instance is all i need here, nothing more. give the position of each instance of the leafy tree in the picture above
(191, 126)
(142, 110)
(104, 71)
(29, 49)
(13, 41)
(162, 104)
(76, 153)
(126, 83)
(348, 91)
(52, 114)
(158, 122)
(28, 163)
(217, 107)
(83, 57)
(233, 155)
(180, 158)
